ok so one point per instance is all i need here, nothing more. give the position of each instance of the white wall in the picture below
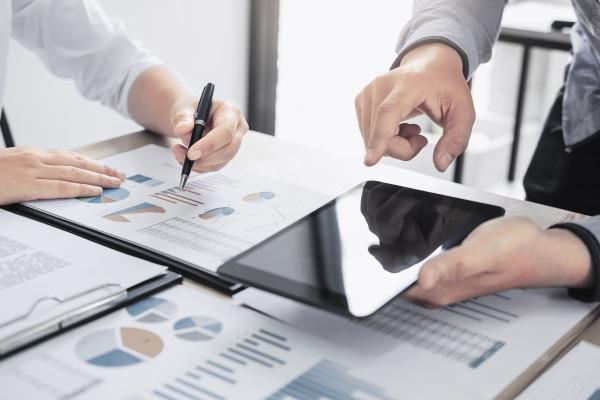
(48, 112)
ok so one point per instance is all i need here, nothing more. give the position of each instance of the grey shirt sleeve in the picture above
(469, 26)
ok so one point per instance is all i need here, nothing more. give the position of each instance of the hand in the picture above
(225, 129)
(429, 80)
(502, 254)
(29, 174)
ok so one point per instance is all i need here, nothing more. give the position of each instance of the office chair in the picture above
(6, 134)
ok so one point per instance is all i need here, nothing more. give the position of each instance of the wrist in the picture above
(437, 54)
(565, 259)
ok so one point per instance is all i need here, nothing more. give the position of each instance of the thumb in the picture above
(183, 126)
(458, 123)
(395, 108)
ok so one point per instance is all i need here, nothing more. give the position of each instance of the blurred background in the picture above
(296, 66)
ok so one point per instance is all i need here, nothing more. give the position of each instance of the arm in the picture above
(107, 66)
(470, 27)
(439, 48)
(509, 253)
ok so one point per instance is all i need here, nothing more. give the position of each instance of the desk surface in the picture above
(321, 171)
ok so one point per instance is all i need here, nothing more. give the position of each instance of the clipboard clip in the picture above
(61, 321)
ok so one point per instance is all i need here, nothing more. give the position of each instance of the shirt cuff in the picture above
(593, 245)
(434, 39)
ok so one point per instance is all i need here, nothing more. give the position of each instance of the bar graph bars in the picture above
(212, 378)
(423, 330)
(144, 180)
(328, 380)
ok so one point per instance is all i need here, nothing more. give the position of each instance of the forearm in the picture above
(154, 97)
(469, 26)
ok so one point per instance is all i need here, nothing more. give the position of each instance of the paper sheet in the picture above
(37, 260)
(575, 377)
(181, 344)
(474, 348)
(216, 216)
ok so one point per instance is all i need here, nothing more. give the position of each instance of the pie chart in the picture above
(217, 212)
(258, 197)
(152, 310)
(120, 347)
(107, 196)
(197, 328)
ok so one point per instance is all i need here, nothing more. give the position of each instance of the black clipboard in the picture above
(186, 269)
(132, 295)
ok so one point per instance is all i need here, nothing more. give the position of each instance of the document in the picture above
(217, 216)
(575, 377)
(40, 265)
(184, 345)
(473, 348)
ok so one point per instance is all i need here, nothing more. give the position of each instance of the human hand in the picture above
(428, 81)
(502, 254)
(225, 129)
(30, 174)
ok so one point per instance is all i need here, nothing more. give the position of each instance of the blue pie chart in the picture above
(197, 328)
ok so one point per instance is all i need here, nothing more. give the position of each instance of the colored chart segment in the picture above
(119, 347)
(328, 380)
(197, 328)
(145, 180)
(258, 197)
(152, 310)
(107, 196)
(217, 212)
(143, 208)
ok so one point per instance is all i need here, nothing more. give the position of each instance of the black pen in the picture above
(200, 120)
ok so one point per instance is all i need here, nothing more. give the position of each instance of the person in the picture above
(75, 39)
(439, 50)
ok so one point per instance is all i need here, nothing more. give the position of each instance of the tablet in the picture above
(359, 251)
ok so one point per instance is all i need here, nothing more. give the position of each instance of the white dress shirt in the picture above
(75, 39)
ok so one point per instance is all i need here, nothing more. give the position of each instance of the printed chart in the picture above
(143, 208)
(152, 310)
(197, 328)
(145, 180)
(108, 196)
(119, 347)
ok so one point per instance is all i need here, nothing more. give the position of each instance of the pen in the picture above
(200, 119)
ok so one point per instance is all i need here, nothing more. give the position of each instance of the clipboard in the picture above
(86, 313)
(188, 270)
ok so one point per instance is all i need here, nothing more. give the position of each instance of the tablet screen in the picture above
(358, 252)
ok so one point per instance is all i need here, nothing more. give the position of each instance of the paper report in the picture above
(473, 348)
(217, 216)
(183, 345)
(35, 271)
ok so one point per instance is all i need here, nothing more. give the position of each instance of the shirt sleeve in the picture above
(75, 39)
(588, 231)
(471, 27)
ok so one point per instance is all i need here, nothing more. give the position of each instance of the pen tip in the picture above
(183, 181)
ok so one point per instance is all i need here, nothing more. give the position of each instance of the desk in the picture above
(321, 171)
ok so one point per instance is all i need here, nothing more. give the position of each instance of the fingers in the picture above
(78, 175)
(56, 189)
(407, 144)
(446, 279)
(80, 162)
(458, 123)
(395, 108)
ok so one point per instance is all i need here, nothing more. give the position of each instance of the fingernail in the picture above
(445, 160)
(370, 158)
(121, 175)
(116, 181)
(97, 190)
